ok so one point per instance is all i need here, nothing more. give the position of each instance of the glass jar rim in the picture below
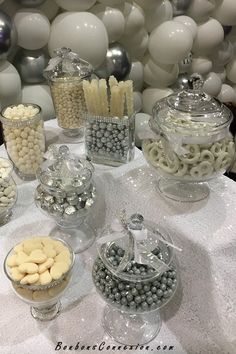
(4, 119)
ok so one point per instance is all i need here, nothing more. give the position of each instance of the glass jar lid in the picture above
(65, 172)
(190, 112)
(135, 249)
(67, 64)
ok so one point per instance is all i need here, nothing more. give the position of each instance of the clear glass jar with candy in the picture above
(65, 73)
(66, 192)
(136, 274)
(189, 143)
(23, 131)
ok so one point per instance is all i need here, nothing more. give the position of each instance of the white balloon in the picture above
(152, 95)
(188, 22)
(10, 84)
(220, 72)
(33, 28)
(200, 10)
(83, 32)
(212, 84)
(162, 12)
(110, 2)
(1, 1)
(10, 7)
(136, 45)
(222, 54)
(170, 42)
(49, 8)
(201, 65)
(227, 94)
(209, 35)
(113, 20)
(225, 12)
(136, 75)
(141, 124)
(160, 75)
(148, 4)
(231, 70)
(75, 5)
(138, 101)
(134, 18)
(40, 95)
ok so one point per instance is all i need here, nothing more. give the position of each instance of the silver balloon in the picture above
(180, 6)
(31, 64)
(182, 82)
(30, 3)
(117, 63)
(8, 36)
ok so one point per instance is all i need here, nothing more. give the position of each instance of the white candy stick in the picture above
(112, 81)
(96, 97)
(114, 100)
(87, 96)
(129, 97)
(103, 97)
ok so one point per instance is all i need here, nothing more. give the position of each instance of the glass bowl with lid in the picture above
(136, 274)
(66, 192)
(189, 143)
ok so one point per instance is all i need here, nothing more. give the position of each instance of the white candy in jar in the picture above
(24, 138)
(68, 98)
(7, 186)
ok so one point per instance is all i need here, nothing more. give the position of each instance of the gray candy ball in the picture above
(117, 63)
(30, 3)
(30, 65)
(8, 36)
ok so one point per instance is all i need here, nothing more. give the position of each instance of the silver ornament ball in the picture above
(180, 6)
(117, 63)
(8, 36)
(31, 64)
(30, 3)
(182, 82)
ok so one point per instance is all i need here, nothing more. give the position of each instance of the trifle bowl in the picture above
(40, 269)
(67, 193)
(136, 275)
(189, 143)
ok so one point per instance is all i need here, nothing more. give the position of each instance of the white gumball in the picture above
(231, 71)
(225, 12)
(33, 28)
(152, 95)
(50, 9)
(201, 65)
(170, 42)
(40, 95)
(222, 54)
(162, 12)
(227, 94)
(209, 35)
(136, 45)
(141, 125)
(83, 32)
(220, 72)
(134, 18)
(75, 5)
(110, 2)
(10, 84)
(138, 101)
(200, 10)
(136, 75)
(113, 20)
(188, 22)
(212, 84)
(160, 75)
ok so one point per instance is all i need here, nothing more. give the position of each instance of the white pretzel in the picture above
(183, 168)
(223, 161)
(155, 154)
(207, 155)
(169, 166)
(206, 168)
(218, 148)
(231, 148)
(193, 156)
(195, 172)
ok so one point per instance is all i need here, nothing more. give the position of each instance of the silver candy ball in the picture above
(31, 64)
(182, 82)
(180, 6)
(30, 3)
(117, 63)
(8, 35)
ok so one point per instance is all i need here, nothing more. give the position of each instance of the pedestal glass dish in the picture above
(65, 74)
(189, 144)
(136, 275)
(44, 300)
(66, 192)
(24, 140)
(8, 191)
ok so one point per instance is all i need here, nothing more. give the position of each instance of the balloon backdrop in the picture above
(30, 3)
(75, 5)
(10, 84)
(8, 35)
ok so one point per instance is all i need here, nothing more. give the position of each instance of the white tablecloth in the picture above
(201, 317)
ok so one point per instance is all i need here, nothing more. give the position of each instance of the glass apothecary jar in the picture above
(66, 192)
(136, 274)
(8, 190)
(23, 131)
(65, 74)
(190, 143)
(110, 140)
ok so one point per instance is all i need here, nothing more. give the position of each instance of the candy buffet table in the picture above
(200, 318)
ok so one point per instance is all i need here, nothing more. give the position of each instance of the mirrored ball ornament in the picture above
(182, 82)
(30, 3)
(8, 36)
(180, 6)
(31, 64)
(117, 63)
